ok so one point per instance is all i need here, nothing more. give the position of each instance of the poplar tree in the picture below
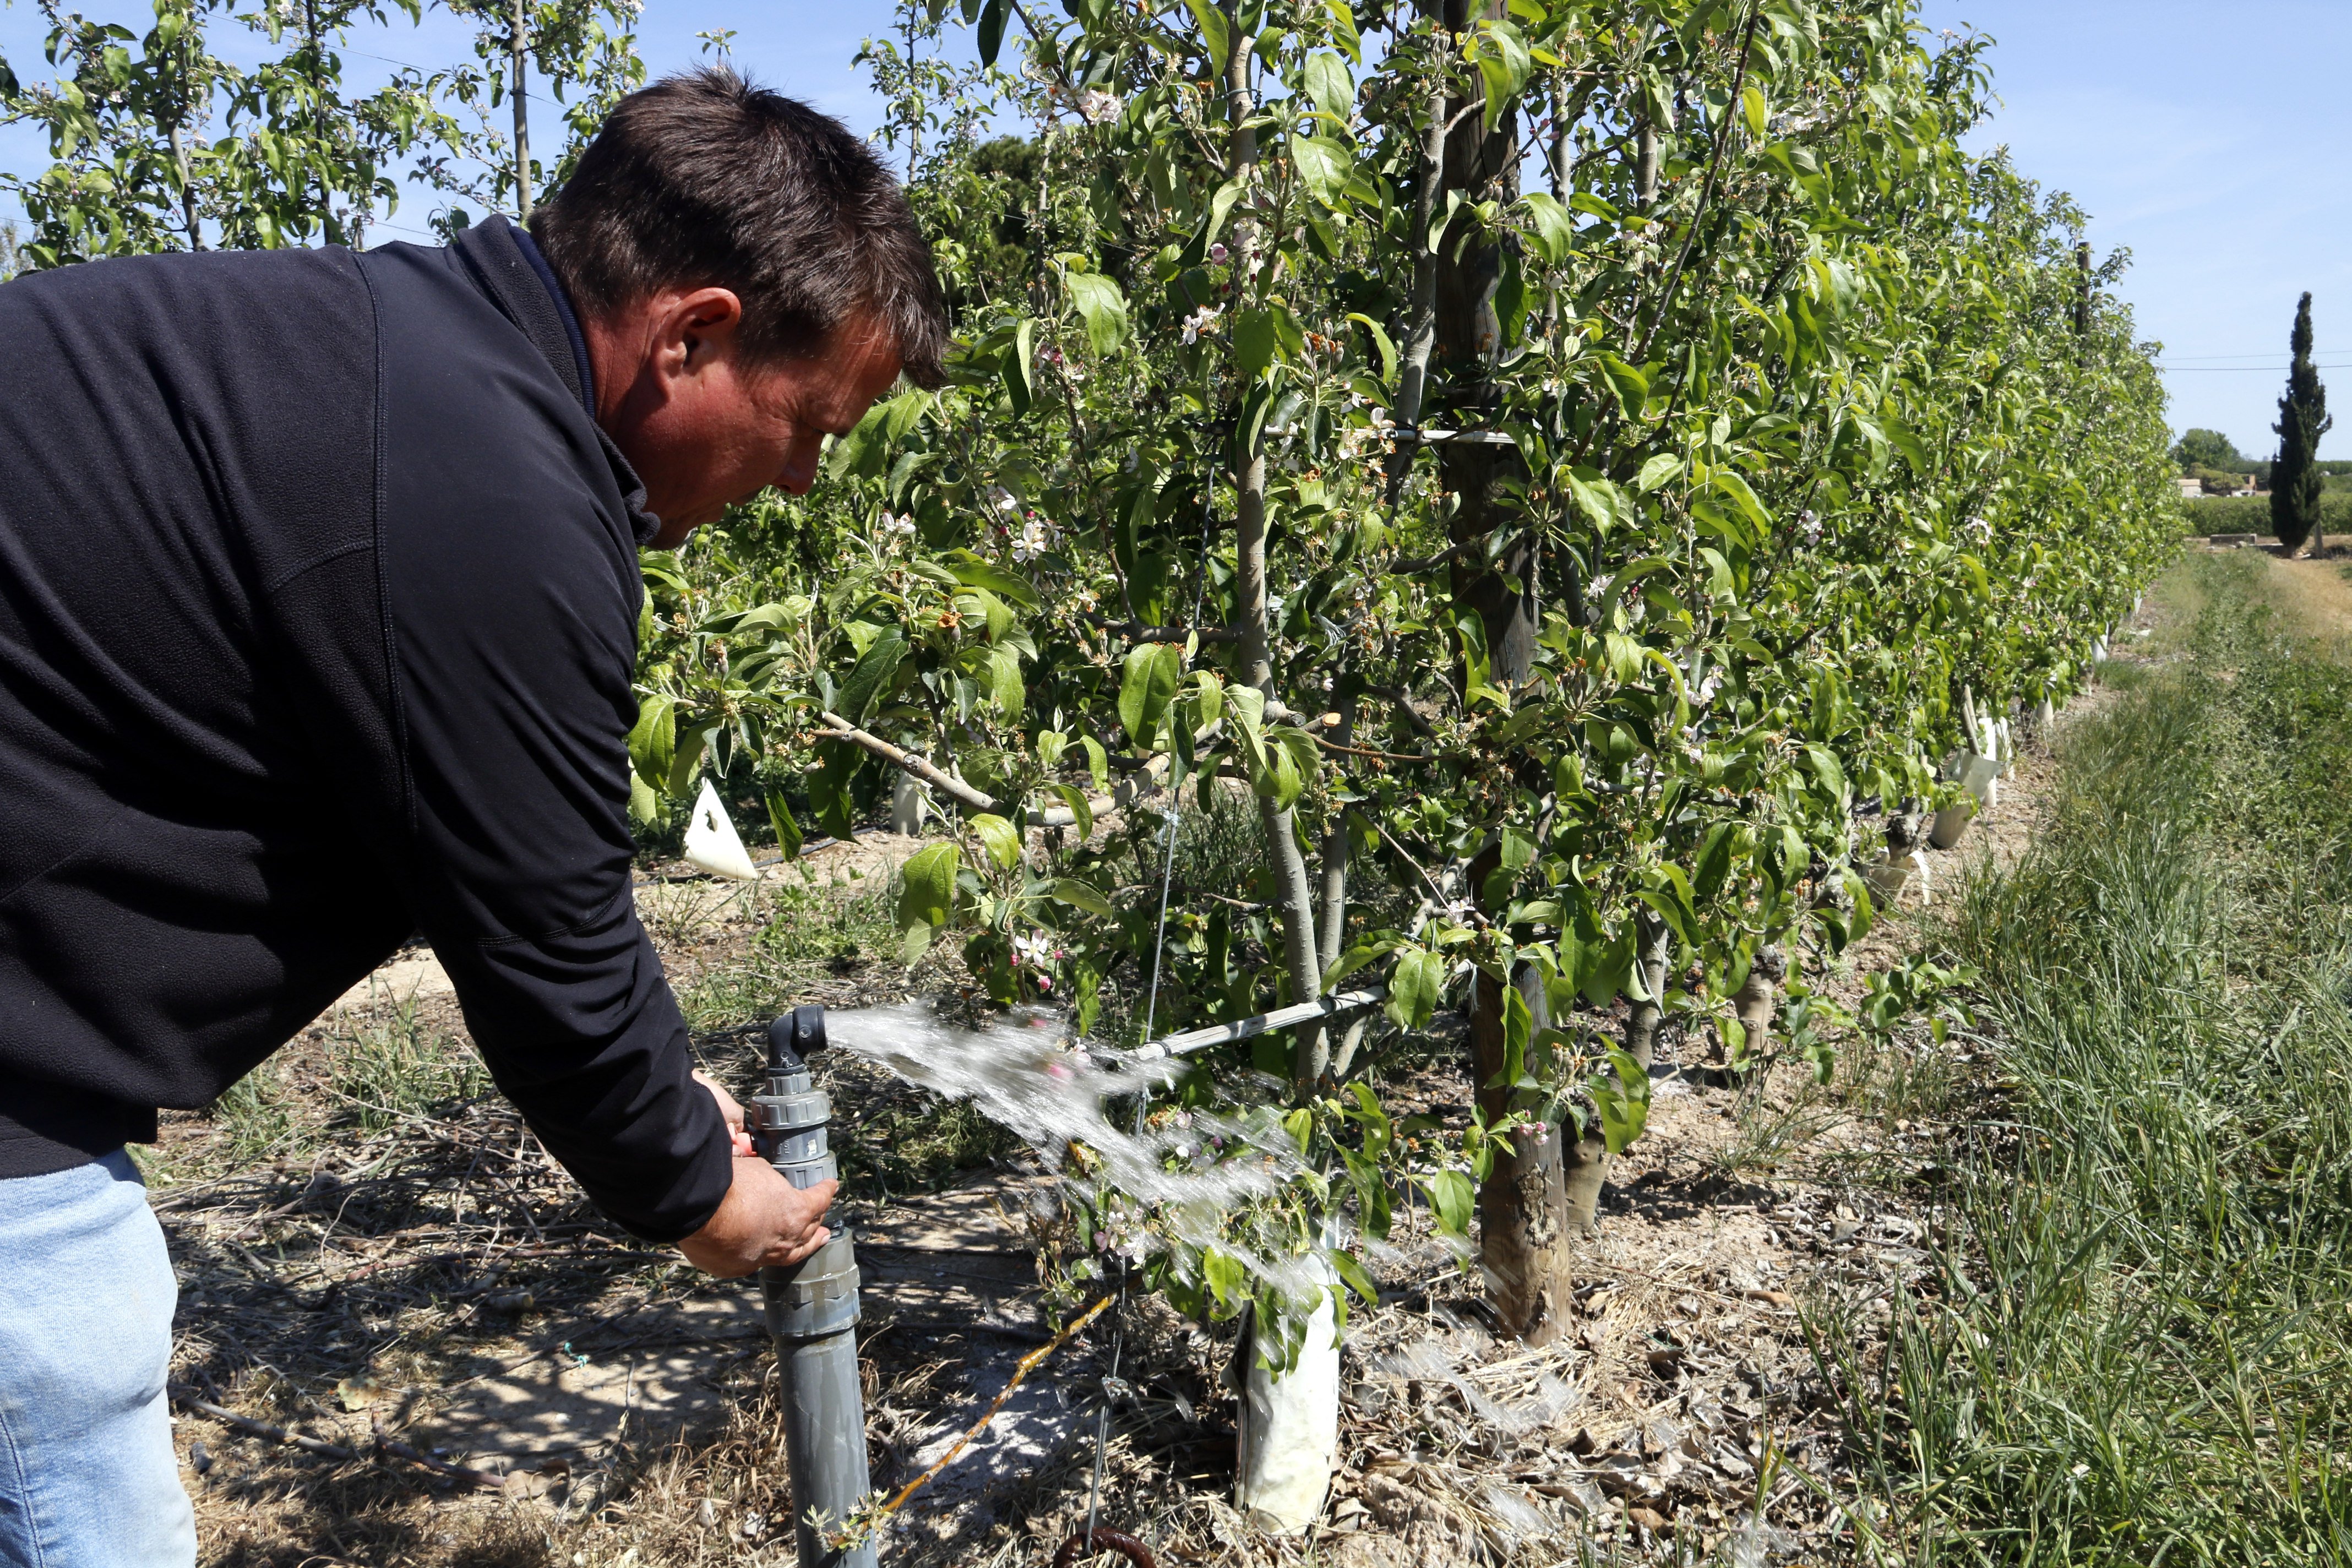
(2295, 480)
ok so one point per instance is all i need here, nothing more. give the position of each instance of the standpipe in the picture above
(813, 1309)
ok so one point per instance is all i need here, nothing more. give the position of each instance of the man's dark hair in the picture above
(705, 179)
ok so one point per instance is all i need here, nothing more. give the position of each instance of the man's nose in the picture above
(800, 464)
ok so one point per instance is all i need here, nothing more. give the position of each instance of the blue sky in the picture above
(2166, 120)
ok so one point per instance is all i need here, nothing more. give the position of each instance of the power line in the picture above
(2239, 369)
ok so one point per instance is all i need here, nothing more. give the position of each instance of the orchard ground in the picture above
(370, 1243)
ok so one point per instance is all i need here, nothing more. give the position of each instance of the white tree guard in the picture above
(711, 844)
(1291, 1432)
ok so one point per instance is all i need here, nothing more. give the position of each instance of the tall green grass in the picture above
(2141, 1352)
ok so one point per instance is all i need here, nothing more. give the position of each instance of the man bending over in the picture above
(318, 598)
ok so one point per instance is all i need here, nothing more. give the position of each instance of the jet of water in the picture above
(1025, 1073)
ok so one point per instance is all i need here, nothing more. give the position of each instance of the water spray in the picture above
(812, 1309)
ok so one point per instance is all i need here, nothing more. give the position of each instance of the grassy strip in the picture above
(2142, 1351)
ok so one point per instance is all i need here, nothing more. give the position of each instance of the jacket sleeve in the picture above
(511, 594)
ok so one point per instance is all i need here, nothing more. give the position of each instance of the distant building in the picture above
(2191, 490)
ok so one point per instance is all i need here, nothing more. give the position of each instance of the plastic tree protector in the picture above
(711, 844)
(1290, 1429)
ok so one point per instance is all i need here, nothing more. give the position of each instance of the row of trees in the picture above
(1514, 498)
(157, 142)
(1523, 493)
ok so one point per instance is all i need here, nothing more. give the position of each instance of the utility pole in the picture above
(518, 50)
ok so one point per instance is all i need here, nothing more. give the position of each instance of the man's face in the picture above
(703, 428)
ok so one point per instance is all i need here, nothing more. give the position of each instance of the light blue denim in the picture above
(88, 1474)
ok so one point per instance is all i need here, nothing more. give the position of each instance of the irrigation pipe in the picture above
(1243, 1029)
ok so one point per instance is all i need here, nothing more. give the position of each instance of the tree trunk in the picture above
(1525, 1224)
(518, 49)
(1641, 1022)
(1294, 898)
(1523, 1210)
(1335, 903)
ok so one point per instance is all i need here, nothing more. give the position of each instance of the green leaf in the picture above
(1598, 500)
(1513, 299)
(991, 30)
(1331, 85)
(1081, 810)
(1004, 684)
(1221, 203)
(1624, 1105)
(1214, 33)
(1097, 761)
(1552, 234)
(1632, 388)
(1147, 685)
(1381, 341)
(927, 885)
(1504, 64)
(828, 786)
(1079, 896)
(1001, 838)
(1255, 344)
(1827, 768)
(1907, 441)
(1657, 471)
(866, 447)
(1225, 1276)
(1413, 988)
(654, 742)
(1324, 165)
(1753, 107)
(1019, 370)
(1730, 482)
(979, 571)
(1451, 1199)
(1300, 1125)
(1102, 307)
(788, 832)
(1351, 1274)
(1358, 957)
(873, 674)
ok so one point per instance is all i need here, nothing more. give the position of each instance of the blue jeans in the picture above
(88, 1474)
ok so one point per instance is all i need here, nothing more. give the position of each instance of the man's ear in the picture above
(699, 328)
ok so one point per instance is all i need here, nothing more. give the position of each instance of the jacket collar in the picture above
(514, 274)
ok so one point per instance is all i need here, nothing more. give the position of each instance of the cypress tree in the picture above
(2295, 480)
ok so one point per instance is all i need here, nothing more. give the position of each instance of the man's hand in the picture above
(764, 1222)
(730, 1107)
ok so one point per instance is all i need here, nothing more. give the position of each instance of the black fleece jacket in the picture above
(318, 598)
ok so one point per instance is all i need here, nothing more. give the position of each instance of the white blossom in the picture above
(1200, 322)
(1095, 106)
(1036, 537)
